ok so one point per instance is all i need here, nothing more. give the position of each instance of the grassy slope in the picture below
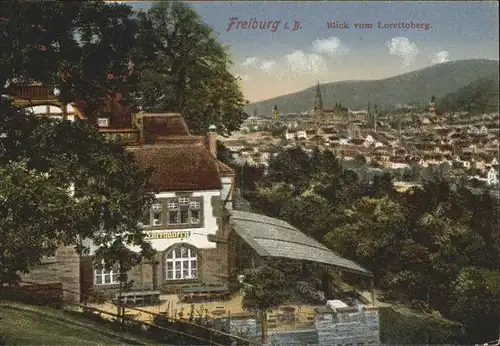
(19, 327)
(416, 87)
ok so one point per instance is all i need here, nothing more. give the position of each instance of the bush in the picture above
(193, 331)
(398, 328)
(41, 295)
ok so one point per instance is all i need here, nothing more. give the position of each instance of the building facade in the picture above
(192, 188)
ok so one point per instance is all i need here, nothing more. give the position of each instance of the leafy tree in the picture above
(269, 198)
(291, 166)
(185, 69)
(434, 248)
(368, 232)
(224, 154)
(476, 303)
(247, 176)
(310, 212)
(65, 45)
(266, 288)
(43, 159)
(27, 198)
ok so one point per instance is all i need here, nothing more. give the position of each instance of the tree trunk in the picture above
(155, 275)
(263, 327)
(119, 307)
(142, 275)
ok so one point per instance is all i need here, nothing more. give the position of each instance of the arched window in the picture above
(181, 263)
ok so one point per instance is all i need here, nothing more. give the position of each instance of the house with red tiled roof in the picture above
(202, 244)
(192, 188)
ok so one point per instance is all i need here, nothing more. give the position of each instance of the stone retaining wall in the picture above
(63, 268)
(344, 326)
(347, 326)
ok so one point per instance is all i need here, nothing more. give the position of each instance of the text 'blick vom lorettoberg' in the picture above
(343, 24)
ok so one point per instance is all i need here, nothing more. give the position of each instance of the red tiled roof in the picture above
(183, 140)
(349, 153)
(158, 126)
(224, 169)
(180, 166)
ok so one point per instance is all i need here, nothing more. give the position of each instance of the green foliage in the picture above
(86, 49)
(26, 233)
(308, 287)
(40, 159)
(185, 69)
(291, 167)
(417, 329)
(266, 288)
(167, 59)
(67, 44)
(195, 325)
(476, 300)
(434, 248)
(247, 176)
(224, 155)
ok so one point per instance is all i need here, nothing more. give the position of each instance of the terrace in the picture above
(258, 237)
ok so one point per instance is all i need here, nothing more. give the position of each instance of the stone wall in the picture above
(142, 276)
(214, 268)
(63, 268)
(341, 327)
(245, 326)
(347, 326)
(293, 338)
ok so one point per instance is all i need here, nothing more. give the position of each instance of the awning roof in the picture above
(271, 237)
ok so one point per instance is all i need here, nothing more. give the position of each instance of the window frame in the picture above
(177, 206)
(102, 273)
(171, 258)
(187, 204)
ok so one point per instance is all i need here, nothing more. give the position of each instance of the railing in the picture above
(33, 92)
(127, 136)
(128, 315)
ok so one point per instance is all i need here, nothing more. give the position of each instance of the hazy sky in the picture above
(275, 63)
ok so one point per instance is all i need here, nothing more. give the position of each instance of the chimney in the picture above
(212, 140)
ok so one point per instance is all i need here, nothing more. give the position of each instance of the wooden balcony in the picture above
(32, 92)
(127, 136)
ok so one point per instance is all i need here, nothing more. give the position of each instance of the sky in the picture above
(273, 62)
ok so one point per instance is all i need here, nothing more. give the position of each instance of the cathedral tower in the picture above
(318, 106)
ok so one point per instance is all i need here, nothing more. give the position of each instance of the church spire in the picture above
(318, 106)
(318, 100)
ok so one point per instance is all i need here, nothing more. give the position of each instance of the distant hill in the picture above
(480, 96)
(415, 88)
